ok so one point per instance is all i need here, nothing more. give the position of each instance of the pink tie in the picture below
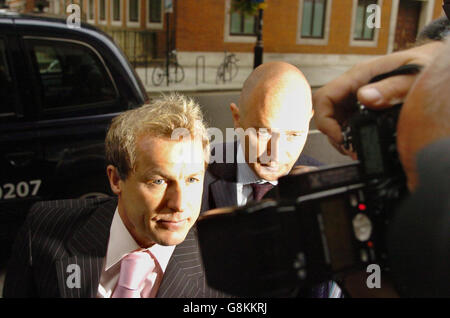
(135, 268)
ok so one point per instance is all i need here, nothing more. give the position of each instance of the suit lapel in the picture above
(224, 193)
(79, 273)
(78, 276)
(184, 275)
(223, 189)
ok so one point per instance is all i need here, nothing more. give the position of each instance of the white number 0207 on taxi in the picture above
(21, 189)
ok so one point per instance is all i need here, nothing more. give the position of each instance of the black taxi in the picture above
(59, 89)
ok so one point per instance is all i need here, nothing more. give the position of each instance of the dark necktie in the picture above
(260, 189)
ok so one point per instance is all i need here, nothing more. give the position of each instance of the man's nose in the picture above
(176, 198)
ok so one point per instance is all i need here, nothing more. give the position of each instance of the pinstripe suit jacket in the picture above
(57, 234)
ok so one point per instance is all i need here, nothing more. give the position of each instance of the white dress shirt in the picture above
(120, 244)
(245, 177)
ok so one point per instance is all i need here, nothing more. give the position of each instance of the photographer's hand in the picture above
(334, 102)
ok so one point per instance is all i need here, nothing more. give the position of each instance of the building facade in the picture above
(304, 26)
(138, 26)
(307, 33)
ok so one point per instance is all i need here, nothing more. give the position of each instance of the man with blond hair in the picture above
(140, 244)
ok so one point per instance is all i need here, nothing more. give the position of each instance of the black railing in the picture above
(141, 47)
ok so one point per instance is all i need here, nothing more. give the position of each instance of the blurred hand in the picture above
(334, 102)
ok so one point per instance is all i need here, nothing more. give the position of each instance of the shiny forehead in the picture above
(276, 95)
(170, 156)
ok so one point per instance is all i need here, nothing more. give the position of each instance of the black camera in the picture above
(324, 223)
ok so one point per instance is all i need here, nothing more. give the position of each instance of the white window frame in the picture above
(227, 37)
(51, 5)
(133, 23)
(155, 25)
(426, 15)
(88, 11)
(363, 43)
(57, 7)
(326, 29)
(104, 22)
(111, 14)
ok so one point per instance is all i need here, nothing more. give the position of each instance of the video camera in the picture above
(324, 224)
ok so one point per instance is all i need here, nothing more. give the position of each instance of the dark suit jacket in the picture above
(219, 187)
(59, 233)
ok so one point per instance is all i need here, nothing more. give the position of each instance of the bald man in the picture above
(274, 111)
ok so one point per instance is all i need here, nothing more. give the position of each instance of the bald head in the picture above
(277, 98)
(274, 80)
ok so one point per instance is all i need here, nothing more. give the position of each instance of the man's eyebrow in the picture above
(154, 172)
(197, 173)
(295, 131)
(160, 172)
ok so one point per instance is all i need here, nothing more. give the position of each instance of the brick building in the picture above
(21, 5)
(302, 26)
(138, 26)
(307, 33)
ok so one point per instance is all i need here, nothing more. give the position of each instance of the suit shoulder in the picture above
(306, 160)
(223, 164)
(61, 210)
(69, 205)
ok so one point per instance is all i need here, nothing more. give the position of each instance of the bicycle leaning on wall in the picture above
(228, 70)
(175, 73)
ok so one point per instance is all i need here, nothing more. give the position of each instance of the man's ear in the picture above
(114, 179)
(235, 113)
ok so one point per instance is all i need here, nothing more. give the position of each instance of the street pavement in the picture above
(199, 80)
(194, 80)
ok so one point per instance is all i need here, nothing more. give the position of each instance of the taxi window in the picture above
(6, 84)
(71, 74)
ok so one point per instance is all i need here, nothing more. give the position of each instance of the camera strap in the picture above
(402, 70)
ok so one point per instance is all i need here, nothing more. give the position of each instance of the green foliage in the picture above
(245, 6)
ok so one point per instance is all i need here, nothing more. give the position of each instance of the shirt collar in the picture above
(245, 174)
(121, 243)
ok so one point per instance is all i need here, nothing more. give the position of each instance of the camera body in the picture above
(324, 224)
(353, 203)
